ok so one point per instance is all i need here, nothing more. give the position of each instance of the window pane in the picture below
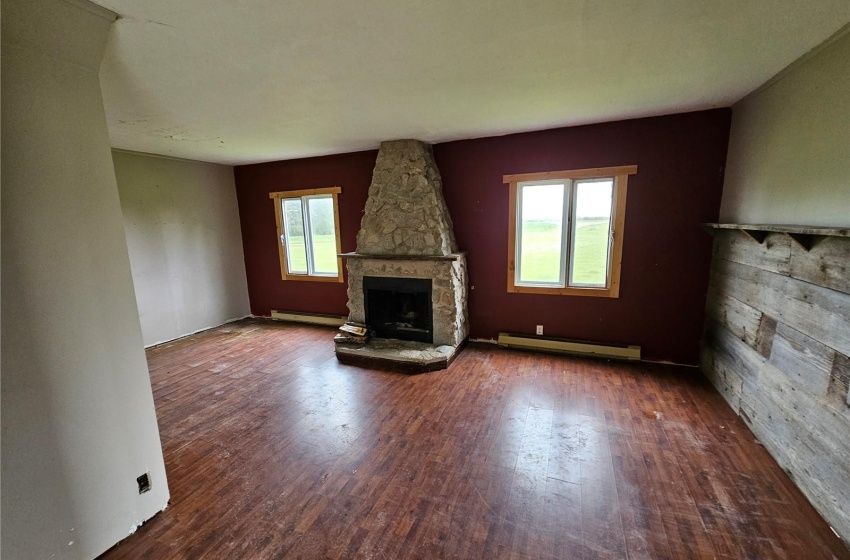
(592, 232)
(323, 234)
(296, 254)
(541, 233)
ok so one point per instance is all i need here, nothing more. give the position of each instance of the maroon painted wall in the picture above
(666, 255)
(266, 290)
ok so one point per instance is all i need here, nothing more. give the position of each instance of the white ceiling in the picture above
(257, 80)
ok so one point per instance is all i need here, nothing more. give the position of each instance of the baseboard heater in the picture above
(561, 346)
(310, 318)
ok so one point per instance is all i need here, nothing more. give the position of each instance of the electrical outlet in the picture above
(144, 483)
(539, 329)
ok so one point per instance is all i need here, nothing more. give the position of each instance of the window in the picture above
(308, 234)
(566, 231)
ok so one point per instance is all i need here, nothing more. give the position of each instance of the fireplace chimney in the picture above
(405, 212)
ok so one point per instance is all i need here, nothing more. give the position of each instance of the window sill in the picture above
(305, 278)
(612, 292)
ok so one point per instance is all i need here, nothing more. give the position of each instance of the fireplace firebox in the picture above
(399, 308)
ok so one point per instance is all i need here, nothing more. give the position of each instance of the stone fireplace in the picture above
(405, 243)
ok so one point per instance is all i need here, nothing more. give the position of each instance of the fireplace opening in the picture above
(399, 308)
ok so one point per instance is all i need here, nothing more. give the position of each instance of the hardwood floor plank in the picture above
(275, 450)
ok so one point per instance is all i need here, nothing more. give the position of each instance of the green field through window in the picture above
(541, 242)
(324, 252)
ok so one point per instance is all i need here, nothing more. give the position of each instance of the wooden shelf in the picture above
(802, 235)
(451, 257)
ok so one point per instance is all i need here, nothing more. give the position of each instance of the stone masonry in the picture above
(448, 291)
(405, 212)
(406, 215)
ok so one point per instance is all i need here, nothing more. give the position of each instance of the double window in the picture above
(566, 231)
(308, 234)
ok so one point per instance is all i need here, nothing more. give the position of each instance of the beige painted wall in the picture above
(789, 150)
(185, 243)
(77, 409)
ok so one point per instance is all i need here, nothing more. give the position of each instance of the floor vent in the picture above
(543, 344)
(310, 318)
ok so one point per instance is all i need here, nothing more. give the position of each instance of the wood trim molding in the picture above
(512, 217)
(281, 249)
(307, 278)
(622, 183)
(621, 180)
(568, 291)
(588, 173)
(305, 192)
(340, 277)
(281, 252)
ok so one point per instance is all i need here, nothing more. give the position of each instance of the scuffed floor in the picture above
(275, 450)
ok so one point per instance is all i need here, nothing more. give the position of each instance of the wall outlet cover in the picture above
(144, 483)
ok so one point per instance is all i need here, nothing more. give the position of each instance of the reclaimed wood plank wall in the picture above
(776, 346)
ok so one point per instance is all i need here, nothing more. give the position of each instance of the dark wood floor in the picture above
(274, 450)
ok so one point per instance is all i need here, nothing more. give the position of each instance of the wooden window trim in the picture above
(305, 192)
(281, 246)
(621, 180)
(590, 173)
